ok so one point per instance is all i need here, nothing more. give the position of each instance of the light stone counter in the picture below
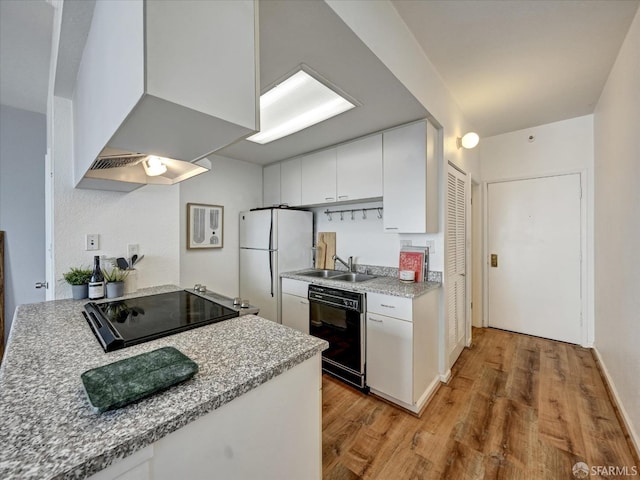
(47, 427)
(381, 284)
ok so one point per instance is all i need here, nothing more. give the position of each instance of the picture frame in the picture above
(205, 226)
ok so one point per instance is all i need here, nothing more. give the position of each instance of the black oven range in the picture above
(130, 321)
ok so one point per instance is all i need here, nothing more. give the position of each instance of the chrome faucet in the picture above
(349, 265)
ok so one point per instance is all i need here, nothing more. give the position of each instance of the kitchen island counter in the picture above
(49, 430)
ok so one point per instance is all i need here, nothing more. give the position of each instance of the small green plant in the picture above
(77, 276)
(115, 275)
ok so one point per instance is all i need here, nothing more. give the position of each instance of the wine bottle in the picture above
(96, 283)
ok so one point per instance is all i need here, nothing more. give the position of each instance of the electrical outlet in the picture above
(92, 241)
(431, 245)
(405, 243)
(133, 249)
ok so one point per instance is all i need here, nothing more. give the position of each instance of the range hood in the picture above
(177, 80)
(125, 171)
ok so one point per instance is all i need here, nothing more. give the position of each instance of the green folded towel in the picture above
(126, 381)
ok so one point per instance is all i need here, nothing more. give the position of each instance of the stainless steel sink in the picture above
(353, 277)
(322, 273)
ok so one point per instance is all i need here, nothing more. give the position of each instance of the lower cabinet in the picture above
(390, 356)
(295, 305)
(402, 348)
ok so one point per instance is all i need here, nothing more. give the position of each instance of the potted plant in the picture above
(115, 281)
(78, 278)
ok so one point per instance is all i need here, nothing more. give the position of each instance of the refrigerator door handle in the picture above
(271, 269)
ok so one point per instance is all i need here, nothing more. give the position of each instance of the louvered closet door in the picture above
(456, 261)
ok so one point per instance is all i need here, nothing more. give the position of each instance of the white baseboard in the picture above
(635, 440)
(445, 377)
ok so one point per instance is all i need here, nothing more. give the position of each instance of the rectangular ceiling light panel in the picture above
(295, 104)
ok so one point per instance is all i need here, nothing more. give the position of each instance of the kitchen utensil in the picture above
(122, 263)
(134, 259)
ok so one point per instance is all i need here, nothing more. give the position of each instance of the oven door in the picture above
(344, 330)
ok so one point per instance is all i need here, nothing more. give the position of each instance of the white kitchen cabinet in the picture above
(402, 348)
(290, 182)
(318, 177)
(389, 356)
(271, 185)
(359, 169)
(410, 179)
(295, 305)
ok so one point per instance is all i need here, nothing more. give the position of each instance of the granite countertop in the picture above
(49, 430)
(382, 284)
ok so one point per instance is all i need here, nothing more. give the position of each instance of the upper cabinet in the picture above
(290, 182)
(164, 79)
(318, 172)
(359, 169)
(410, 178)
(271, 185)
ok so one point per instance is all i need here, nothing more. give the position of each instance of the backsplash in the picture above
(383, 271)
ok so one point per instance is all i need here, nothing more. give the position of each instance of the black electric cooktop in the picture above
(127, 322)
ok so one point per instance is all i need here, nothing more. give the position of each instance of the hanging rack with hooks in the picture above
(352, 212)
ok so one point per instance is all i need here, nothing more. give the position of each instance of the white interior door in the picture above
(456, 261)
(534, 229)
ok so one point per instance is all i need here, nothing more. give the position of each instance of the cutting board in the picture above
(328, 239)
(321, 252)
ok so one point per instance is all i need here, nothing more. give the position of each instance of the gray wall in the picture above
(22, 205)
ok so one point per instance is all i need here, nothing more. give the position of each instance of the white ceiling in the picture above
(516, 64)
(510, 64)
(25, 49)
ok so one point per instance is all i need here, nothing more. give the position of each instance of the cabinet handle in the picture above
(391, 228)
(343, 196)
(329, 198)
(387, 306)
(375, 320)
(303, 302)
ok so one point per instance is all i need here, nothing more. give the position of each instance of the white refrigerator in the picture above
(272, 241)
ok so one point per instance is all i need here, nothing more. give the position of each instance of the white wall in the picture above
(148, 216)
(557, 148)
(22, 151)
(617, 227)
(237, 186)
(367, 241)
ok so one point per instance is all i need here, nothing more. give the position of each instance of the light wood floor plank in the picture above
(517, 407)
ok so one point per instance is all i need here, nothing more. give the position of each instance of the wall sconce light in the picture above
(154, 166)
(468, 140)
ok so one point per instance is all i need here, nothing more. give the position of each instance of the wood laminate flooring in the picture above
(517, 407)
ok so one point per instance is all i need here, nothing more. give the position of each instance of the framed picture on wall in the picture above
(205, 226)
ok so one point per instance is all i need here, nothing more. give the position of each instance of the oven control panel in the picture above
(337, 298)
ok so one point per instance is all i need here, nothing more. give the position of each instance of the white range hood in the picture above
(177, 80)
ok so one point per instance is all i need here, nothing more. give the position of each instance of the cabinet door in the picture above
(290, 187)
(295, 312)
(389, 356)
(271, 185)
(359, 169)
(405, 179)
(319, 177)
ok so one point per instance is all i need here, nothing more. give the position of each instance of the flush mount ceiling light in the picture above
(154, 166)
(300, 101)
(468, 140)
